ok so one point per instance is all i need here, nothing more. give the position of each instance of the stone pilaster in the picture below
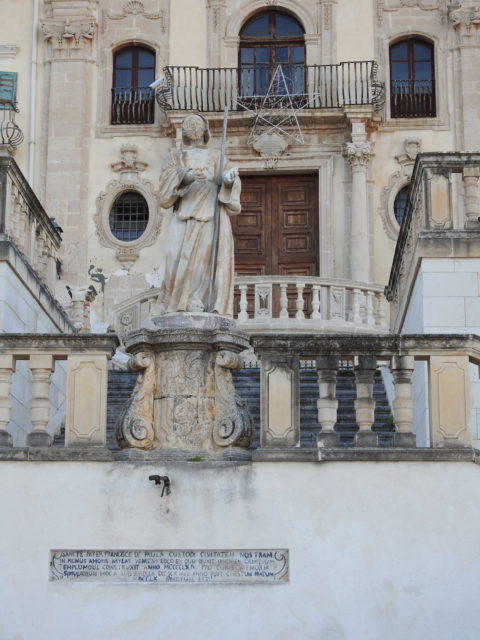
(216, 29)
(86, 416)
(358, 155)
(465, 21)
(69, 31)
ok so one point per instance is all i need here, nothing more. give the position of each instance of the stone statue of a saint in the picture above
(189, 184)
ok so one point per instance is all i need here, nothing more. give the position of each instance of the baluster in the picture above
(364, 403)
(300, 301)
(402, 371)
(283, 300)
(327, 403)
(472, 201)
(243, 315)
(355, 314)
(316, 315)
(369, 319)
(41, 367)
(7, 367)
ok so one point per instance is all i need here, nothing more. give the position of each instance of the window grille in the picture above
(129, 216)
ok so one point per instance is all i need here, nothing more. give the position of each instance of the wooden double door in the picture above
(277, 231)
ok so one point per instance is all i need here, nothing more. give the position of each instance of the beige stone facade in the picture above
(361, 154)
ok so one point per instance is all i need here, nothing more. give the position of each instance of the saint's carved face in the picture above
(194, 128)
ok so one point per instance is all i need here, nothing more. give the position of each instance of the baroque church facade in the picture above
(339, 407)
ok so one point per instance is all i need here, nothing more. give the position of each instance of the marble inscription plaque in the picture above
(171, 566)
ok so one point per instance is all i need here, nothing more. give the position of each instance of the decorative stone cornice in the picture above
(8, 50)
(358, 153)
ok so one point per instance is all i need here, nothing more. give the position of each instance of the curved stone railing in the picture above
(309, 303)
(283, 303)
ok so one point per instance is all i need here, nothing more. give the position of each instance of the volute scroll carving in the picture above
(233, 423)
(135, 425)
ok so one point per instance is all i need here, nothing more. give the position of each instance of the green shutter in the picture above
(8, 89)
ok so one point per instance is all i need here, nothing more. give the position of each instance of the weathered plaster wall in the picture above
(377, 550)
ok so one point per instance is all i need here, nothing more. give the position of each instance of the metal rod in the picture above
(216, 215)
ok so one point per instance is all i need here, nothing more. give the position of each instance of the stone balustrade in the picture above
(86, 385)
(441, 220)
(289, 303)
(25, 222)
(307, 303)
(447, 358)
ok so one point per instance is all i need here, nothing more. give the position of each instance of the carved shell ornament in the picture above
(134, 7)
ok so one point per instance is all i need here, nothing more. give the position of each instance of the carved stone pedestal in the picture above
(185, 399)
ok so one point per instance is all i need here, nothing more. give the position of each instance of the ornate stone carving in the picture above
(137, 8)
(398, 179)
(128, 162)
(358, 153)
(396, 5)
(129, 171)
(463, 18)
(233, 424)
(76, 32)
(270, 146)
(186, 402)
(135, 425)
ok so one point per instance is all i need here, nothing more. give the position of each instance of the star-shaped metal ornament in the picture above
(276, 110)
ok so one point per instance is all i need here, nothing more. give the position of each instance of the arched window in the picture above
(400, 204)
(128, 217)
(132, 99)
(267, 40)
(412, 79)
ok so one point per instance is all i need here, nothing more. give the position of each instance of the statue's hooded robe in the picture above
(189, 251)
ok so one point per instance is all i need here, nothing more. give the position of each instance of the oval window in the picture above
(400, 204)
(128, 216)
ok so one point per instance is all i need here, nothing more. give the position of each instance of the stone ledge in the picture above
(202, 460)
(461, 454)
(293, 454)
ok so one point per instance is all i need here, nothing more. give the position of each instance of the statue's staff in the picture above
(216, 215)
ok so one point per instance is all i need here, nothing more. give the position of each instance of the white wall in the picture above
(377, 550)
(20, 312)
(445, 299)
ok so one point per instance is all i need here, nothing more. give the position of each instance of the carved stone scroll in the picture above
(233, 423)
(135, 425)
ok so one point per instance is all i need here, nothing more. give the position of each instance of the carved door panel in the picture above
(277, 231)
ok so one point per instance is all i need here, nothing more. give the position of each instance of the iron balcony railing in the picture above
(133, 105)
(10, 133)
(412, 99)
(312, 86)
